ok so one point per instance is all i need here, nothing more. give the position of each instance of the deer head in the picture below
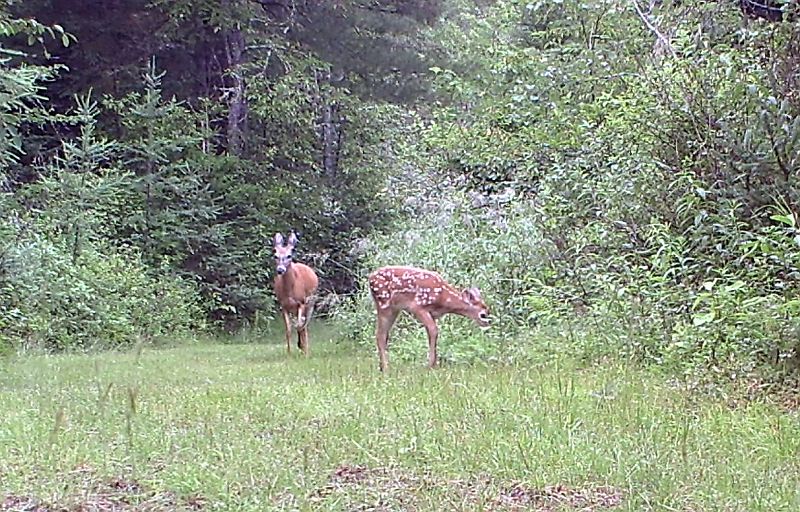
(476, 309)
(283, 252)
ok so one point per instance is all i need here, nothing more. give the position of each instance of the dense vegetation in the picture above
(175, 143)
(619, 177)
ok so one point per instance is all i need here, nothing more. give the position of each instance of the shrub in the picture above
(106, 299)
(639, 201)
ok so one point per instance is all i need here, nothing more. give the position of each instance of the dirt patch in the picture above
(370, 489)
(12, 503)
(115, 495)
(361, 488)
(559, 497)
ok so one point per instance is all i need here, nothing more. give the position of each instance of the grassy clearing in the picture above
(244, 427)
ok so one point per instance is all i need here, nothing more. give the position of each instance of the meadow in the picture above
(205, 425)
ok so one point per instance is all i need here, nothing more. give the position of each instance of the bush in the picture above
(105, 299)
(635, 203)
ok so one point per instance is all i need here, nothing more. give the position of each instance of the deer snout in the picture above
(484, 319)
(280, 269)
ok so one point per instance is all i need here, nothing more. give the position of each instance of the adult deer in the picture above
(296, 288)
(425, 295)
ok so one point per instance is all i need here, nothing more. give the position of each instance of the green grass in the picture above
(244, 427)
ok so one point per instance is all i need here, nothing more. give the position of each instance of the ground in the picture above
(210, 426)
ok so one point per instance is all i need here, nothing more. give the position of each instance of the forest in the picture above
(615, 175)
(616, 181)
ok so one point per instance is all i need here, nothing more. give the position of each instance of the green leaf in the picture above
(738, 285)
(703, 318)
(789, 220)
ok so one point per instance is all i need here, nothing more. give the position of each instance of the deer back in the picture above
(404, 287)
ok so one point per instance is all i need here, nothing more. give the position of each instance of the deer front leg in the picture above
(301, 319)
(288, 324)
(432, 329)
(386, 319)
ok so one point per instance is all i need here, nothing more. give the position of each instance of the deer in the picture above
(295, 288)
(425, 295)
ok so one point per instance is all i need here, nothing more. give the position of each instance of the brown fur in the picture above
(296, 291)
(295, 286)
(424, 294)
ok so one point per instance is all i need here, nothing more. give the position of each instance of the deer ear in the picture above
(278, 240)
(292, 239)
(471, 294)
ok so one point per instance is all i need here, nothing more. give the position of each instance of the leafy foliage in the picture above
(618, 176)
(107, 299)
(189, 172)
(645, 181)
(21, 84)
(62, 284)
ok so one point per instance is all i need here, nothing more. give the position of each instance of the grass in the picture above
(244, 427)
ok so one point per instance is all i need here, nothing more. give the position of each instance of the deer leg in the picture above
(288, 323)
(308, 310)
(302, 340)
(300, 321)
(303, 316)
(429, 323)
(298, 324)
(386, 319)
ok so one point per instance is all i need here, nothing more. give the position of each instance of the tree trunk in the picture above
(330, 129)
(237, 100)
(331, 138)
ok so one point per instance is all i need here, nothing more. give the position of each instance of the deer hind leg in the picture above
(302, 340)
(304, 312)
(288, 324)
(386, 320)
(305, 342)
(432, 329)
